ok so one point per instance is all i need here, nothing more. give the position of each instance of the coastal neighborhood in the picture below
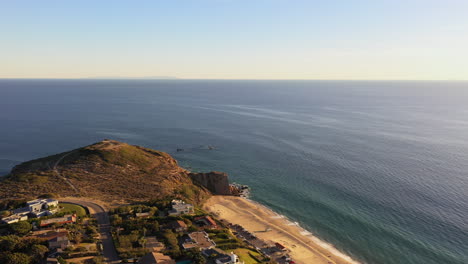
(200, 219)
(177, 232)
(61, 230)
(168, 232)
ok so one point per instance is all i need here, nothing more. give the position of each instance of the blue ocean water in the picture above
(378, 169)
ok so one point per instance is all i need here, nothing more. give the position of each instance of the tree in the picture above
(9, 243)
(116, 220)
(21, 228)
(4, 213)
(196, 256)
(98, 260)
(38, 251)
(154, 228)
(61, 260)
(17, 258)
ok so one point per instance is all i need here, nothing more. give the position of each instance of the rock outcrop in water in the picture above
(216, 182)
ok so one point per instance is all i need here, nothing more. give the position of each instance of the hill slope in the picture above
(108, 170)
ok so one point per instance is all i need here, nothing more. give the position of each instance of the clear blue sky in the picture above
(235, 39)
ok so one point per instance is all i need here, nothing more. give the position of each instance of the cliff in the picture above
(215, 182)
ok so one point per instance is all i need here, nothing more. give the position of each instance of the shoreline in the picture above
(304, 247)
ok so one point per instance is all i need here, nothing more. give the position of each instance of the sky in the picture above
(235, 39)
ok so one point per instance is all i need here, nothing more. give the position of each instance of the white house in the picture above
(229, 259)
(38, 208)
(179, 207)
(14, 219)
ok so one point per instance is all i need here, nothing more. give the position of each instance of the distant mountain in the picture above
(108, 170)
(136, 78)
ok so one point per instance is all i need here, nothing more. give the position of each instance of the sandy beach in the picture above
(304, 248)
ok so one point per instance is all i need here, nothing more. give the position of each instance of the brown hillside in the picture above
(108, 170)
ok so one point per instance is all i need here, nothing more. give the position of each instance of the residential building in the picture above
(61, 242)
(199, 240)
(220, 257)
(178, 226)
(154, 245)
(156, 258)
(14, 219)
(143, 215)
(38, 208)
(179, 207)
(52, 261)
(67, 219)
(206, 222)
(228, 259)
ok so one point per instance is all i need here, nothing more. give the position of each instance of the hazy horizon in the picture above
(224, 39)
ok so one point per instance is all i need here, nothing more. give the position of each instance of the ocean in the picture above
(379, 169)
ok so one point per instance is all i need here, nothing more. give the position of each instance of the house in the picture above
(14, 219)
(228, 259)
(199, 240)
(154, 245)
(22, 211)
(156, 258)
(41, 204)
(50, 234)
(143, 215)
(54, 253)
(38, 207)
(178, 226)
(206, 222)
(220, 257)
(59, 241)
(67, 219)
(280, 247)
(212, 252)
(52, 261)
(179, 207)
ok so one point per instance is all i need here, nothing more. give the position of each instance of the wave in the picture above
(308, 234)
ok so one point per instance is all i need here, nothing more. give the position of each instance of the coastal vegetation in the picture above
(108, 170)
(137, 228)
(28, 242)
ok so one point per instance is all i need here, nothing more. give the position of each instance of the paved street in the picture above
(100, 213)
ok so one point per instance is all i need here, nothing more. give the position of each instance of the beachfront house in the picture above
(179, 207)
(206, 222)
(220, 257)
(280, 247)
(199, 240)
(228, 259)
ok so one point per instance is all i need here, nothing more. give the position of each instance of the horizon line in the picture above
(223, 79)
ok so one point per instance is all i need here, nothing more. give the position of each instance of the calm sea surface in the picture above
(378, 169)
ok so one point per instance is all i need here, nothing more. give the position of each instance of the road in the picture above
(64, 178)
(100, 213)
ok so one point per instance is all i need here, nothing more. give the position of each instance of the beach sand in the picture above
(256, 218)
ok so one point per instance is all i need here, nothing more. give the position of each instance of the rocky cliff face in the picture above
(215, 182)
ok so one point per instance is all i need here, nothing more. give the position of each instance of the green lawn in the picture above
(67, 207)
(243, 254)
